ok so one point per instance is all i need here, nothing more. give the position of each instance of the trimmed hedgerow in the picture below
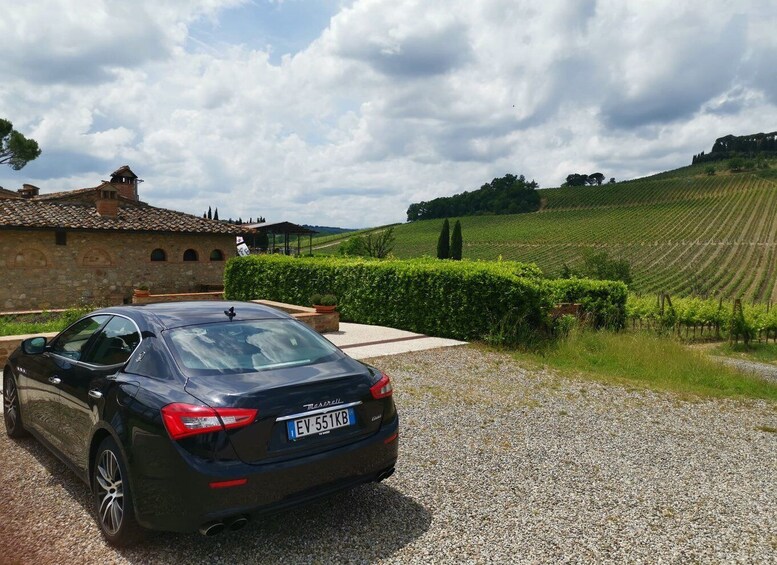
(604, 302)
(461, 299)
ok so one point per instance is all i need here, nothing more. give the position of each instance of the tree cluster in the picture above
(15, 149)
(211, 215)
(506, 195)
(450, 246)
(732, 146)
(577, 179)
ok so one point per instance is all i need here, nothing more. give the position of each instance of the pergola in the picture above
(286, 229)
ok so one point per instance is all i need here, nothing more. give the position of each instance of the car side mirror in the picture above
(34, 345)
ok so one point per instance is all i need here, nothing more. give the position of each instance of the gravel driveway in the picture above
(497, 464)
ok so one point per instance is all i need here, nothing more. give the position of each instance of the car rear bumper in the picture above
(172, 489)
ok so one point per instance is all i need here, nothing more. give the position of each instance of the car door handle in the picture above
(55, 380)
(96, 394)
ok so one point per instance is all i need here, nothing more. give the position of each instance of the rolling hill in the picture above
(684, 231)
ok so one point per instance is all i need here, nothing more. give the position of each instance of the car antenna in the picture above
(230, 313)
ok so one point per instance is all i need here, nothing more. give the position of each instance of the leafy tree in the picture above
(15, 149)
(376, 244)
(444, 242)
(576, 179)
(612, 180)
(710, 170)
(456, 242)
(596, 178)
(379, 244)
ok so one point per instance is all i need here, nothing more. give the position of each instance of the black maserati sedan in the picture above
(196, 415)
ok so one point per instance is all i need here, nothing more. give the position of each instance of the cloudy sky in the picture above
(344, 112)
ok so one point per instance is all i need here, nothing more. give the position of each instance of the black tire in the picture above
(12, 414)
(112, 496)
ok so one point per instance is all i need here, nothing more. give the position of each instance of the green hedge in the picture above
(457, 299)
(603, 301)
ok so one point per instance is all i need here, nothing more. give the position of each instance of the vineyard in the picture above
(703, 318)
(684, 232)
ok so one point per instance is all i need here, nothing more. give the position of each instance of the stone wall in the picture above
(101, 268)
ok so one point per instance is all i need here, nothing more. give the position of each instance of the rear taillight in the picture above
(182, 420)
(382, 388)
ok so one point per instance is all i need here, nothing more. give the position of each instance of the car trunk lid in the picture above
(301, 410)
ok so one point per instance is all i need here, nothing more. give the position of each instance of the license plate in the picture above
(320, 424)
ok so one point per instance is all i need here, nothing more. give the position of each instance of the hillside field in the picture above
(684, 232)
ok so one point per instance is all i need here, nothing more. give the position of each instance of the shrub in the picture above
(603, 302)
(460, 299)
(353, 246)
(444, 242)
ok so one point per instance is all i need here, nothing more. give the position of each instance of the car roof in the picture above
(175, 314)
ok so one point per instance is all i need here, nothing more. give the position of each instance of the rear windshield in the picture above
(248, 346)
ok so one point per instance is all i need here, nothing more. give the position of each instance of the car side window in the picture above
(115, 343)
(72, 341)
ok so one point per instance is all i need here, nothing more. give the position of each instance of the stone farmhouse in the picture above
(94, 245)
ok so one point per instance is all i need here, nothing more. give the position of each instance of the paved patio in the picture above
(361, 341)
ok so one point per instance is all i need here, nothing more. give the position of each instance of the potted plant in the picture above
(141, 290)
(324, 303)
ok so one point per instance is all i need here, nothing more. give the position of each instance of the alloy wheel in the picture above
(110, 493)
(10, 404)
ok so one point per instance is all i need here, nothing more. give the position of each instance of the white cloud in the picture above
(395, 102)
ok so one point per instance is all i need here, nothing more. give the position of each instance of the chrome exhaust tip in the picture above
(212, 528)
(383, 475)
(237, 523)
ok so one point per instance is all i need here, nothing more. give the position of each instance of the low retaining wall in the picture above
(322, 323)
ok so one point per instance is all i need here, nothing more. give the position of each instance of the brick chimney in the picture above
(108, 202)
(126, 182)
(28, 191)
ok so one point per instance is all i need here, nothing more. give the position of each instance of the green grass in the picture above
(643, 360)
(39, 323)
(761, 352)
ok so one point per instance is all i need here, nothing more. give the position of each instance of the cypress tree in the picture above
(456, 242)
(444, 242)
(210, 213)
(216, 214)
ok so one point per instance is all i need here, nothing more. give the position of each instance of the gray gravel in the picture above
(763, 370)
(497, 464)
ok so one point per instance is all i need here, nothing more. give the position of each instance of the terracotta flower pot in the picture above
(321, 309)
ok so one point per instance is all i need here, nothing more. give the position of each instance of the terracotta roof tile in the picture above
(135, 216)
(5, 193)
